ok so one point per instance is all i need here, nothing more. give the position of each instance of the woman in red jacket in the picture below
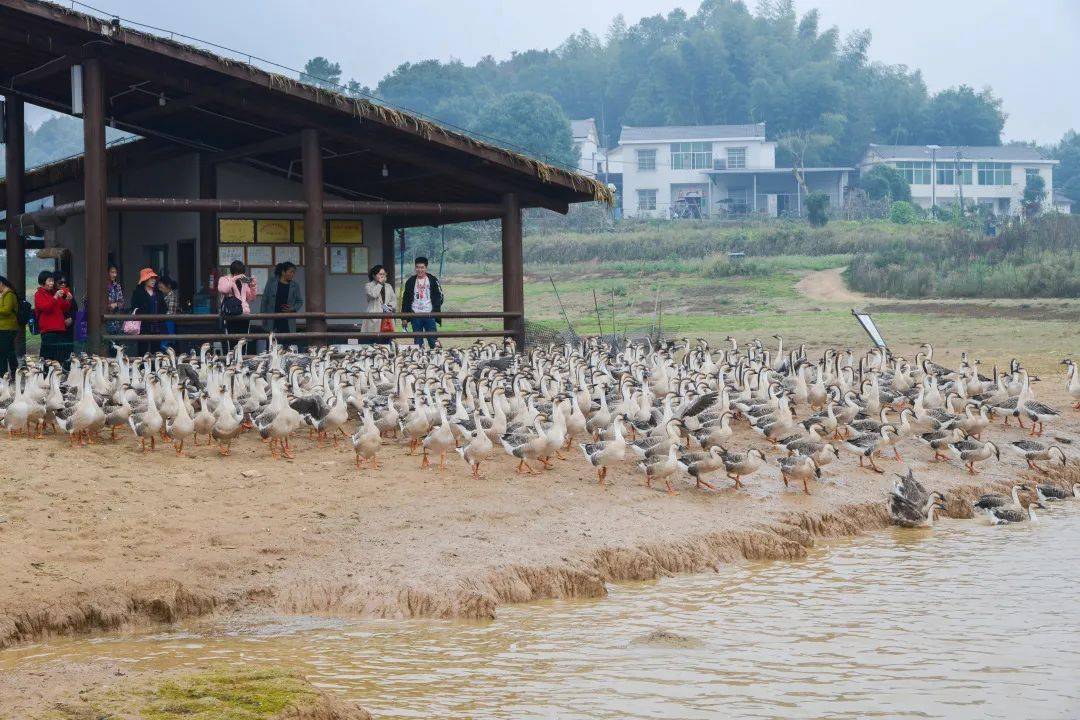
(51, 306)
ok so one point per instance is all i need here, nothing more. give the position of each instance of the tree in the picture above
(321, 72)
(902, 212)
(805, 148)
(531, 123)
(1067, 172)
(817, 208)
(1034, 195)
(960, 116)
(885, 181)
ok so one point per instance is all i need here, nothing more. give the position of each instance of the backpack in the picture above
(25, 315)
(231, 306)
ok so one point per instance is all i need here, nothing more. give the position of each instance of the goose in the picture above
(603, 454)
(867, 444)
(1007, 514)
(700, 464)
(439, 440)
(740, 465)
(147, 424)
(228, 423)
(715, 432)
(203, 421)
(1032, 451)
(799, 468)
(912, 505)
(526, 445)
(476, 449)
(1053, 493)
(1037, 413)
(1072, 384)
(663, 468)
(367, 440)
(941, 440)
(994, 500)
(182, 425)
(973, 451)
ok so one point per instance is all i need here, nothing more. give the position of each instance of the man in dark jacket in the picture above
(422, 295)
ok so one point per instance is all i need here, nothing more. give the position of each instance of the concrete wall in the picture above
(178, 177)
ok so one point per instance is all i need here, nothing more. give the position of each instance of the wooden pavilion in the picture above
(222, 140)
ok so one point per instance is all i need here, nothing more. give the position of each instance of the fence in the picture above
(512, 326)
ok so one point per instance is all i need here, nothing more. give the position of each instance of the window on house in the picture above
(916, 173)
(991, 173)
(646, 199)
(691, 156)
(736, 158)
(646, 159)
(1030, 173)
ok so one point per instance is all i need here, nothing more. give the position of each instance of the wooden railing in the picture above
(511, 329)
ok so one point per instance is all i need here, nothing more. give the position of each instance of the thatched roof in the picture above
(200, 60)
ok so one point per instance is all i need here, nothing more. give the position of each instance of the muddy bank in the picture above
(100, 537)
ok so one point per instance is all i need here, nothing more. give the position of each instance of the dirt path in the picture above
(828, 286)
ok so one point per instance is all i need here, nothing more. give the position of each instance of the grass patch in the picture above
(216, 694)
(1036, 259)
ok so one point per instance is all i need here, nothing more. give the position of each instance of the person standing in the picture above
(423, 295)
(147, 300)
(167, 286)
(71, 315)
(9, 328)
(236, 291)
(382, 299)
(283, 296)
(114, 300)
(50, 306)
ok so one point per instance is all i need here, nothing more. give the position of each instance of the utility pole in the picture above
(960, 179)
(933, 175)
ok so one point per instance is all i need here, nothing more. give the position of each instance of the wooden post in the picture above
(314, 228)
(208, 234)
(388, 250)
(513, 268)
(95, 189)
(15, 157)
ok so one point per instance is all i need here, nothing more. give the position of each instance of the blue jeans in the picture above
(424, 324)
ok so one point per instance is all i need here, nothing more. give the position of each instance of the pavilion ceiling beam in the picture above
(262, 147)
(52, 67)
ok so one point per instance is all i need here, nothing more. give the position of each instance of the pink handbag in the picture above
(132, 327)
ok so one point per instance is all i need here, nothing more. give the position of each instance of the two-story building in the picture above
(994, 177)
(712, 171)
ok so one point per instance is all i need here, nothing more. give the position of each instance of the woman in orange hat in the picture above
(147, 300)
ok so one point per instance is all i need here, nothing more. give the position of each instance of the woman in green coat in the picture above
(9, 327)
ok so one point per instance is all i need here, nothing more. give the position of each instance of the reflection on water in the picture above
(967, 621)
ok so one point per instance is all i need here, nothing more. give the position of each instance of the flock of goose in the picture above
(669, 410)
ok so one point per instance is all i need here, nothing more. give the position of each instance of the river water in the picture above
(964, 621)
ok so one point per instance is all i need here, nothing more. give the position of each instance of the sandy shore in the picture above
(97, 537)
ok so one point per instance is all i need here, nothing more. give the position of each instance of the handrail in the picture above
(202, 317)
(308, 336)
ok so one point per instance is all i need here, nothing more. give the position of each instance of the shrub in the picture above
(902, 212)
(885, 181)
(817, 209)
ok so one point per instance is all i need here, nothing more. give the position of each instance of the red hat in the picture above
(145, 274)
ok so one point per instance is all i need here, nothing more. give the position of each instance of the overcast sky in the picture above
(1026, 51)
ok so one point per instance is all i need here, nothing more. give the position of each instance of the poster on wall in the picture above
(298, 232)
(233, 230)
(262, 277)
(260, 255)
(226, 255)
(274, 231)
(339, 260)
(359, 260)
(287, 253)
(346, 232)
